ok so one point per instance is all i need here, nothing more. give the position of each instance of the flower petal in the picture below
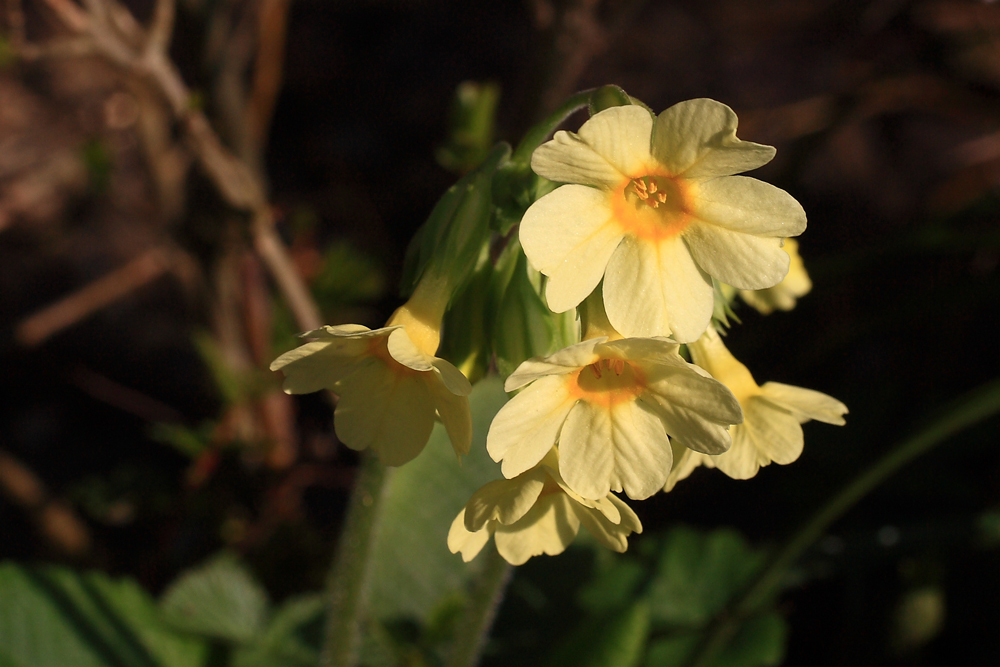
(656, 289)
(695, 410)
(741, 260)
(548, 527)
(454, 414)
(747, 205)
(390, 412)
(611, 147)
(564, 361)
(624, 447)
(776, 433)
(697, 139)
(504, 500)
(320, 364)
(608, 533)
(621, 135)
(569, 235)
(451, 377)
(402, 349)
(462, 540)
(742, 461)
(526, 428)
(805, 404)
(685, 462)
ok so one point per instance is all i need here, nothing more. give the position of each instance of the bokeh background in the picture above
(140, 432)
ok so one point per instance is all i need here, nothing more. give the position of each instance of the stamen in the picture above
(617, 365)
(662, 197)
(652, 187)
(596, 368)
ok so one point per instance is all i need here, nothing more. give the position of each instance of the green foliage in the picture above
(415, 579)
(698, 574)
(54, 617)
(292, 638)
(219, 600)
(471, 126)
(606, 97)
(449, 243)
(466, 343)
(348, 276)
(524, 326)
(615, 639)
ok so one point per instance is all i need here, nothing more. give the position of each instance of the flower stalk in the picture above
(348, 576)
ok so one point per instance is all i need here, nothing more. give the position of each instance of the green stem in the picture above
(348, 575)
(534, 137)
(972, 408)
(478, 615)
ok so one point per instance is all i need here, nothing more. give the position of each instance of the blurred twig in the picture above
(56, 521)
(115, 35)
(37, 328)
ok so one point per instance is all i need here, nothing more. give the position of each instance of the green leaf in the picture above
(611, 640)
(292, 638)
(54, 617)
(412, 569)
(472, 121)
(450, 241)
(466, 341)
(759, 642)
(220, 600)
(524, 325)
(698, 574)
(614, 587)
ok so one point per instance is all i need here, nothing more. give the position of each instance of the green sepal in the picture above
(524, 325)
(465, 336)
(471, 126)
(606, 97)
(515, 188)
(450, 241)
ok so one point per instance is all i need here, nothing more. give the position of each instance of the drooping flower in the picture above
(654, 208)
(783, 295)
(610, 407)
(390, 385)
(536, 513)
(772, 416)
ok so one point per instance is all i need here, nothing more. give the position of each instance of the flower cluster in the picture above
(645, 227)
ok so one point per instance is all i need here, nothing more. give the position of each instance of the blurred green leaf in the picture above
(698, 574)
(220, 599)
(759, 642)
(473, 115)
(612, 588)
(412, 570)
(292, 638)
(348, 276)
(617, 639)
(465, 342)
(457, 228)
(98, 163)
(524, 326)
(54, 617)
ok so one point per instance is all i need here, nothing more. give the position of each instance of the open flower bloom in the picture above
(772, 416)
(536, 513)
(783, 295)
(390, 390)
(653, 207)
(610, 406)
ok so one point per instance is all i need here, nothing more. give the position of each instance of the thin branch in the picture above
(240, 186)
(102, 292)
(161, 29)
(268, 71)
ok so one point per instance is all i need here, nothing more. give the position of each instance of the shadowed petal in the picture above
(549, 527)
(741, 260)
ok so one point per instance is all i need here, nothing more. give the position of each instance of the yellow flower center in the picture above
(607, 382)
(652, 207)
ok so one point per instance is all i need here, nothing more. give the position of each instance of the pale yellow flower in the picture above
(610, 406)
(390, 391)
(783, 295)
(653, 207)
(536, 513)
(772, 416)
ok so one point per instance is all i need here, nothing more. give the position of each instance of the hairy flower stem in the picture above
(348, 576)
(970, 409)
(477, 617)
